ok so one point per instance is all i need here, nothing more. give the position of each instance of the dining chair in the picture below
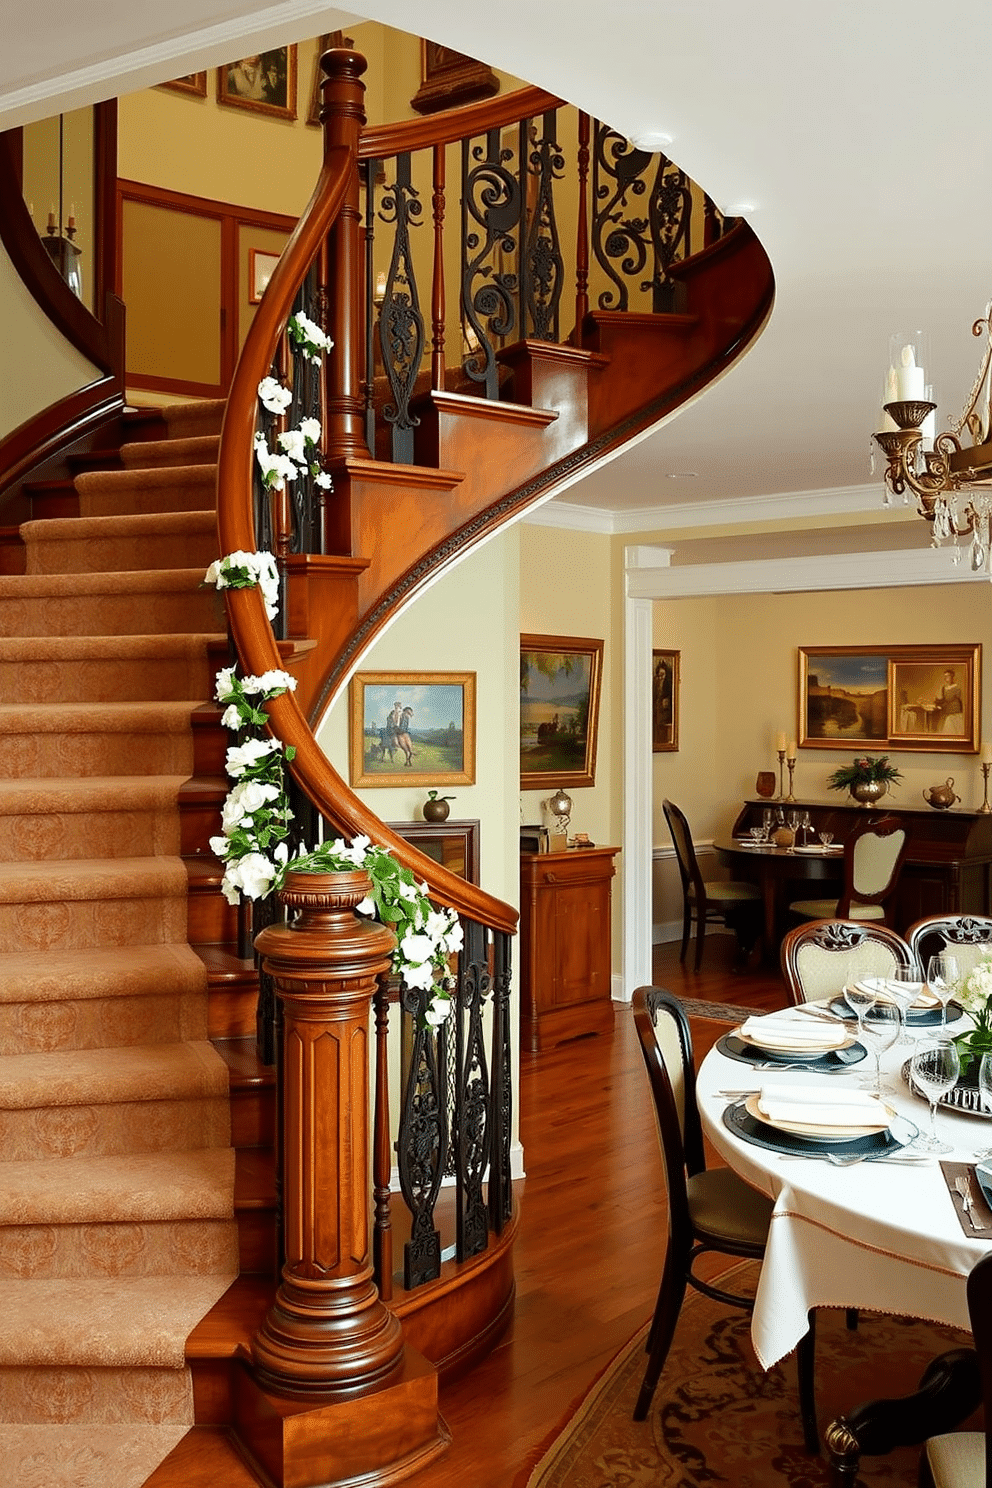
(728, 901)
(968, 936)
(820, 958)
(873, 858)
(709, 1209)
(961, 1459)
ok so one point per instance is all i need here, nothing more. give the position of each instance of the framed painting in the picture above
(452, 844)
(261, 266)
(449, 78)
(907, 697)
(665, 667)
(559, 710)
(264, 83)
(934, 698)
(192, 83)
(413, 728)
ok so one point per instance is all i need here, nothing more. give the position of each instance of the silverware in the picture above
(818, 1012)
(839, 1160)
(964, 1188)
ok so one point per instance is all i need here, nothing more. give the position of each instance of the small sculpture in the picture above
(940, 797)
(436, 807)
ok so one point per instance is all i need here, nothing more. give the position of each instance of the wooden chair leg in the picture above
(663, 1330)
(805, 1356)
(700, 933)
(686, 927)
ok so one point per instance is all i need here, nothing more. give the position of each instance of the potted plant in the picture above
(867, 779)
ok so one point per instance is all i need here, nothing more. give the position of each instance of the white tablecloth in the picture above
(877, 1237)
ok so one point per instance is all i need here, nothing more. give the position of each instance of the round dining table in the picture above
(878, 1236)
(771, 868)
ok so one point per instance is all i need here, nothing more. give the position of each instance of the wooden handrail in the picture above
(253, 636)
(455, 124)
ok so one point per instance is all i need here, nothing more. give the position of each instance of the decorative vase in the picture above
(867, 792)
(436, 808)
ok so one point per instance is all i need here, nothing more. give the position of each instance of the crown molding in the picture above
(892, 570)
(727, 511)
(572, 518)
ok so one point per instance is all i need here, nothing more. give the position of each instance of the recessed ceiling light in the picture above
(682, 475)
(740, 209)
(652, 140)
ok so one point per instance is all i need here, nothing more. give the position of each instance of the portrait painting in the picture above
(264, 83)
(413, 728)
(559, 710)
(933, 699)
(664, 701)
(193, 83)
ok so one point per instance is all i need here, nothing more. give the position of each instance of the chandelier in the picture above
(950, 479)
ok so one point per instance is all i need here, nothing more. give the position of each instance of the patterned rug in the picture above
(717, 1419)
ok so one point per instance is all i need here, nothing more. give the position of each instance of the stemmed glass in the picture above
(985, 1099)
(935, 1070)
(806, 827)
(860, 997)
(943, 976)
(826, 838)
(768, 822)
(903, 985)
(881, 1025)
(757, 834)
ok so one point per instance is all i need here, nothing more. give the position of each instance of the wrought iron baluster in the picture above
(618, 173)
(670, 216)
(501, 1105)
(423, 1140)
(491, 211)
(472, 1103)
(437, 283)
(401, 324)
(582, 232)
(543, 268)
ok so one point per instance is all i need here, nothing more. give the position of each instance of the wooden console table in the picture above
(565, 957)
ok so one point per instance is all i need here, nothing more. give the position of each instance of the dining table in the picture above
(772, 868)
(884, 1236)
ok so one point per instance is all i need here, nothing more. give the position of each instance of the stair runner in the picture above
(116, 1171)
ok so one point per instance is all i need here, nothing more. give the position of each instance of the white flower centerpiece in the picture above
(975, 996)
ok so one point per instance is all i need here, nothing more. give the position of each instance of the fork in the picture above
(963, 1186)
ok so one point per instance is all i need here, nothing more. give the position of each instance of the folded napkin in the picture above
(880, 985)
(793, 1031)
(809, 1105)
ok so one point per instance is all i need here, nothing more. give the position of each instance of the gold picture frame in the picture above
(194, 84)
(559, 710)
(264, 83)
(873, 697)
(412, 728)
(666, 669)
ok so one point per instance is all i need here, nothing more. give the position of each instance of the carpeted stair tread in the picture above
(89, 793)
(91, 878)
(127, 603)
(120, 971)
(129, 1247)
(34, 649)
(201, 449)
(96, 738)
(185, 488)
(111, 544)
(77, 1077)
(192, 420)
(149, 1187)
(51, 817)
(100, 668)
(124, 1322)
(116, 1456)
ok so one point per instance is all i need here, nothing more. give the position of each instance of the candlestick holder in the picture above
(792, 768)
(985, 809)
(781, 776)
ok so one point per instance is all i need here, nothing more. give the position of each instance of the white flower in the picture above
(310, 429)
(224, 689)
(366, 907)
(417, 948)
(323, 480)
(437, 924)
(253, 875)
(241, 757)
(455, 938)
(418, 976)
(976, 990)
(410, 892)
(276, 469)
(273, 396)
(219, 846)
(295, 445)
(244, 800)
(231, 717)
(438, 1011)
(274, 681)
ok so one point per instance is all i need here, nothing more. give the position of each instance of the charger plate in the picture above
(915, 1018)
(777, 1051)
(881, 1144)
(830, 1061)
(813, 1132)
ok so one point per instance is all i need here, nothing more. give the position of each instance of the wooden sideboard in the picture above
(565, 955)
(947, 870)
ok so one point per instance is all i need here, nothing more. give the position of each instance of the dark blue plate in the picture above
(922, 1018)
(833, 1059)
(878, 1144)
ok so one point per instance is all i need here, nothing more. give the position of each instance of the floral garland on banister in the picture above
(255, 816)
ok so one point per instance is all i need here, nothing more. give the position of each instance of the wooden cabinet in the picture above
(565, 959)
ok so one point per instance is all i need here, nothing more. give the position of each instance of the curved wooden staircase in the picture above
(127, 1003)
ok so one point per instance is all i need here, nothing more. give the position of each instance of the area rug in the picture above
(717, 1419)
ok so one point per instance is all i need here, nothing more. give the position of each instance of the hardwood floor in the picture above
(592, 1232)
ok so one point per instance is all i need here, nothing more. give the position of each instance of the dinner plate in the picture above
(833, 1061)
(791, 1055)
(812, 1132)
(915, 1018)
(880, 1144)
(809, 848)
(984, 1176)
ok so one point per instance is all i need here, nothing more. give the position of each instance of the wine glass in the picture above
(943, 976)
(985, 1099)
(793, 821)
(757, 834)
(825, 838)
(935, 1070)
(860, 996)
(903, 985)
(806, 826)
(768, 821)
(881, 1025)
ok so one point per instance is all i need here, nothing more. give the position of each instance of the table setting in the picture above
(820, 1106)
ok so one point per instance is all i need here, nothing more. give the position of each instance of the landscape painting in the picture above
(843, 697)
(913, 697)
(413, 728)
(559, 710)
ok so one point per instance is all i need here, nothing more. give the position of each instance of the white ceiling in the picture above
(853, 136)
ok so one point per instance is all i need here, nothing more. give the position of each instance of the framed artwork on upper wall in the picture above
(907, 697)
(264, 83)
(449, 78)
(559, 710)
(413, 728)
(193, 83)
(665, 669)
(261, 266)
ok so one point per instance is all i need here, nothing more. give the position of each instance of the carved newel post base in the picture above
(331, 1394)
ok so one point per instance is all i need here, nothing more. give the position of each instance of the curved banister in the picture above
(455, 124)
(252, 633)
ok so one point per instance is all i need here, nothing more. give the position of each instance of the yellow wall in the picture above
(48, 367)
(740, 687)
(41, 181)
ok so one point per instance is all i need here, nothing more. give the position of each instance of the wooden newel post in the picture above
(332, 1395)
(342, 115)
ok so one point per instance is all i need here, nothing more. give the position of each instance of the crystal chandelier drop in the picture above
(950, 479)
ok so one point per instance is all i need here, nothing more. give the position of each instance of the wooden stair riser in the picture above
(27, 678)
(200, 803)
(49, 500)
(121, 544)
(13, 555)
(232, 1007)
(116, 1128)
(171, 610)
(142, 492)
(210, 919)
(478, 437)
(39, 1028)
